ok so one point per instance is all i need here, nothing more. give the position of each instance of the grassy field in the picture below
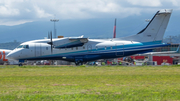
(87, 83)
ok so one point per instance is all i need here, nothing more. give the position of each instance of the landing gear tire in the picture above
(79, 63)
(20, 64)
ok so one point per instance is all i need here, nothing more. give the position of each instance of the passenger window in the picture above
(83, 47)
(76, 48)
(105, 48)
(96, 47)
(46, 48)
(71, 48)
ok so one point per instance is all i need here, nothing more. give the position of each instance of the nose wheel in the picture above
(20, 64)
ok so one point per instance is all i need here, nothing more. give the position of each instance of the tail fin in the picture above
(155, 29)
(114, 32)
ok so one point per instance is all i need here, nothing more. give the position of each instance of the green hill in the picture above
(9, 45)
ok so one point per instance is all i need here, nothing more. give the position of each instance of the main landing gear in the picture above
(20, 64)
(79, 63)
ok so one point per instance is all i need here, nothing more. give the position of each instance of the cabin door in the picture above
(120, 49)
(38, 49)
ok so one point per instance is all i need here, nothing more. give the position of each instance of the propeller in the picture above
(51, 42)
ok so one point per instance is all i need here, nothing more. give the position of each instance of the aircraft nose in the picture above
(15, 54)
(10, 56)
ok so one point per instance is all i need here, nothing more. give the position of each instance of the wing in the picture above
(70, 42)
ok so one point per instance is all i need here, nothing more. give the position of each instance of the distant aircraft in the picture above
(4, 59)
(81, 50)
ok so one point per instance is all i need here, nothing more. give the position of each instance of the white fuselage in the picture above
(92, 50)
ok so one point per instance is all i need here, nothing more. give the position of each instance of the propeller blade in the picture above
(51, 43)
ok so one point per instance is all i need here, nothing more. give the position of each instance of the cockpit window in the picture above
(20, 46)
(23, 46)
(26, 46)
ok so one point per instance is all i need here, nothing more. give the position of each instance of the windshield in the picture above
(23, 46)
(20, 46)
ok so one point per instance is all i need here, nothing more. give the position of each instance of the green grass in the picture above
(87, 83)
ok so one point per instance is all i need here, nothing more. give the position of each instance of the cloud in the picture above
(8, 11)
(174, 2)
(13, 23)
(23, 11)
(27, 10)
(41, 13)
(151, 3)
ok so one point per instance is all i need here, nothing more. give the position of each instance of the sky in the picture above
(20, 15)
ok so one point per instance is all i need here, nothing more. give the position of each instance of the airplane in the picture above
(4, 59)
(81, 50)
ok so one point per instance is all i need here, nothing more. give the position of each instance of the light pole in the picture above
(54, 20)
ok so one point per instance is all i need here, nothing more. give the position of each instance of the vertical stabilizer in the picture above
(155, 29)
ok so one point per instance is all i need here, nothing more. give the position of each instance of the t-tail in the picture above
(114, 31)
(155, 29)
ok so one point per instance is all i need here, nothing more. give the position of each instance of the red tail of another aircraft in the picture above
(114, 36)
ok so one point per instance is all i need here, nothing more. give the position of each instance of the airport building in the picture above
(171, 58)
(172, 47)
(163, 58)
